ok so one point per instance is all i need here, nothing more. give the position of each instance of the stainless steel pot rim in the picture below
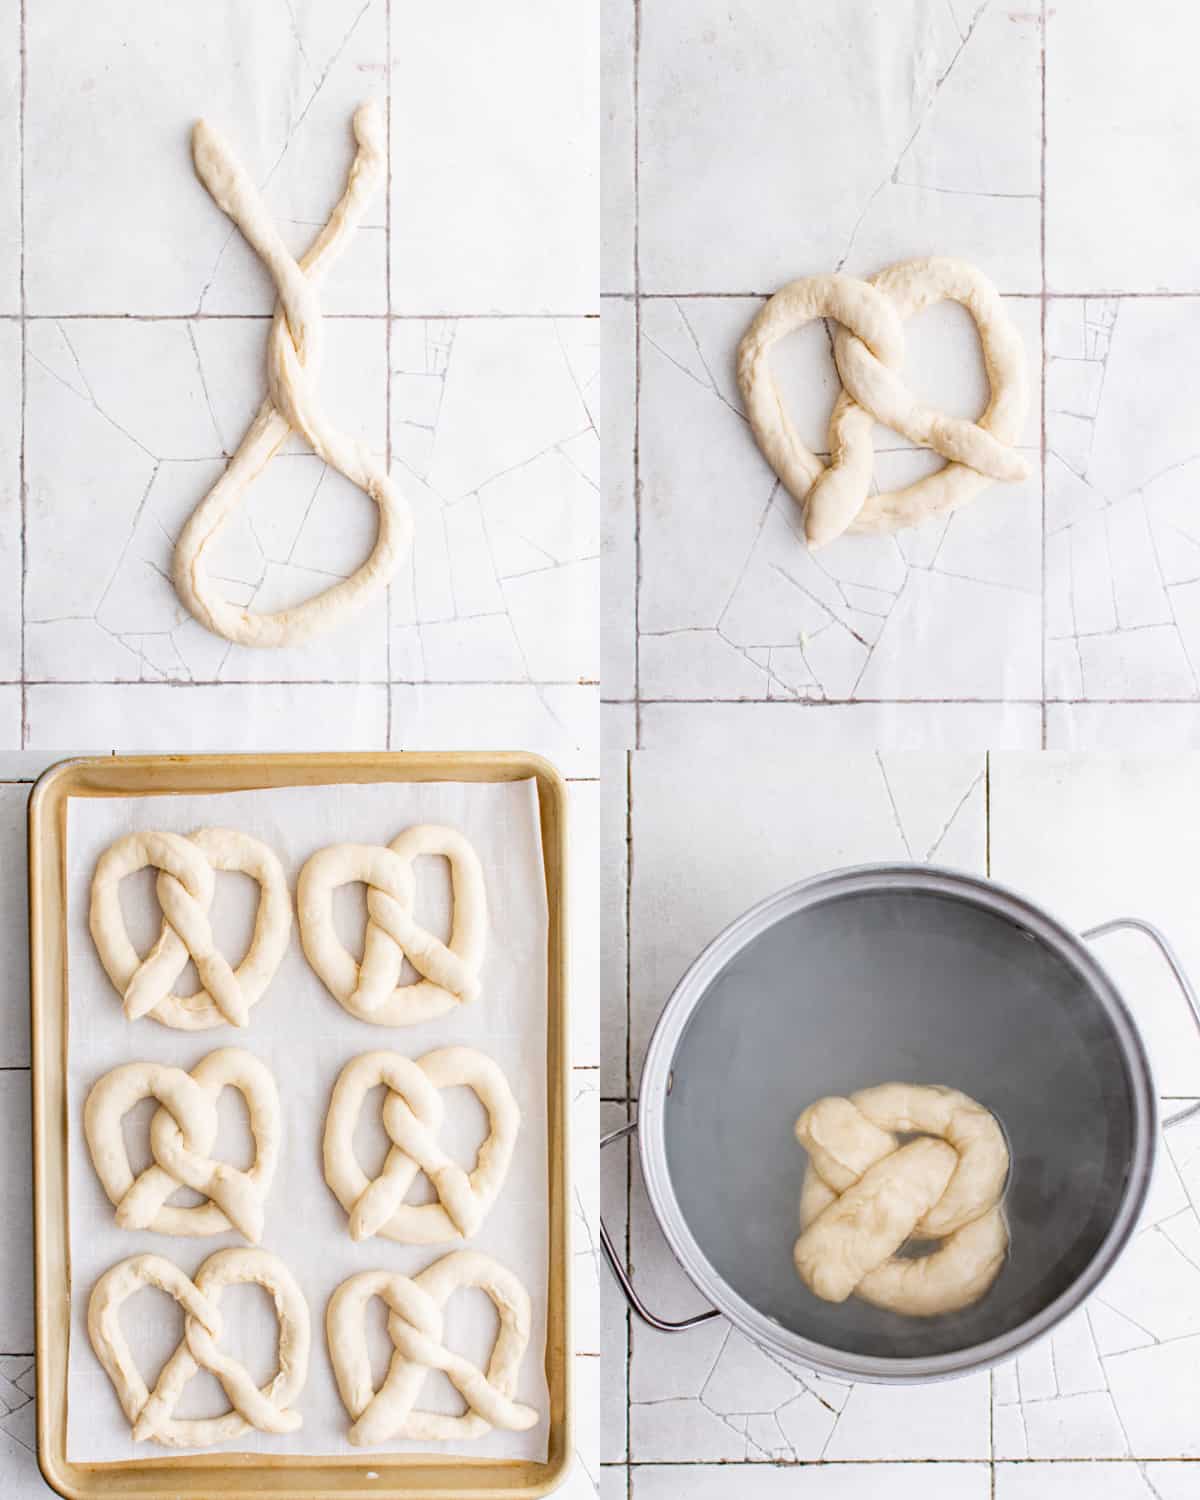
(655, 1081)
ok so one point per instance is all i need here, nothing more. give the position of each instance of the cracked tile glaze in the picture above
(734, 606)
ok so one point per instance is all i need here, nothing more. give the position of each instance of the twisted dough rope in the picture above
(869, 351)
(415, 1325)
(293, 362)
(865, 1194)
(412, 1114)
(185, 889)
(150, 1413)
(372, 990)
(182, 1134)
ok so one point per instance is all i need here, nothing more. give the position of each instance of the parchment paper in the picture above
(306, 1038)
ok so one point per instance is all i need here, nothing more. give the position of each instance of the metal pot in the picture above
(863, 976)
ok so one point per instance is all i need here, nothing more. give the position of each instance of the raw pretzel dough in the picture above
(865, 1194)
(266, 1408)
(869, 351)
(182, 1134)
(372, 991)
(416, 1329)
(412, 1113)
(291, 404)
(185, 890)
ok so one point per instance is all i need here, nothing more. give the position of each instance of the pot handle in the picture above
(622, 1275)
(1147, 929)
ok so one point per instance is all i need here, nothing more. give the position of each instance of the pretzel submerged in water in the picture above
(866, 1193)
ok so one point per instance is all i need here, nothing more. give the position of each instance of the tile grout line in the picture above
(1042, 244)
(23, 483)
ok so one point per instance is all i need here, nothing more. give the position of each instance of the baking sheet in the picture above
(306, 1038)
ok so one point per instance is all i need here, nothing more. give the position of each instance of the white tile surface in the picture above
(1107, 142)
(558, 721)
(1100, 837)
(732, 603)
(941, 149)
(614, 874)
(1095, 1481)
(18, 1429)
(14, 927)
(10, 159)
(494, 178)
(145, 718)
(107, 120)
(707, 844)
(835, 1482)
(613, 1309)
(10, 488)
(494, 434)
(618, 23)
(585, 1238)
(618, 511)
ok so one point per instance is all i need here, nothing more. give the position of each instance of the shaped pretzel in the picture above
(185, 888)
(869, 351)
(182, 1134)
(372, 990)
(265, 1408)
(416, 1327)
(412, 1114)
(866, 1193)
(291, 403)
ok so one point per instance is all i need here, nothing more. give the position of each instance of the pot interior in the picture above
(919, 987)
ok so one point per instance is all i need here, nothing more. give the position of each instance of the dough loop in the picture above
(372, 990)
(151, 1413)
(185, 889)
(416, 1327)
(412, 1114)
(865, 1194)
(182, 1134)
(291, 404)
(869, 352)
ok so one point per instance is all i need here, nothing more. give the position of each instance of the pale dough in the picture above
(291, 404)
(182, 1134)
(185, 890)
(416, 1327)
(372, 990)
(865, 1193)
(150, 1413)
(869, 351)
(412, 1113)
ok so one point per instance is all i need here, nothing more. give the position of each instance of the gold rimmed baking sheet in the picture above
(374, 1473)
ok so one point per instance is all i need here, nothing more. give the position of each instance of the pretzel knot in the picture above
(182, 1134)
(416, 1327)
(291, 404)
(185, 887)
(869, 353)
(372, 990)
(151, 1413)
(412, 1115)
(865, 1194)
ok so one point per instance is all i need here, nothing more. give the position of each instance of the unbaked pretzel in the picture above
(416, 1327)
(372, 990)
(865, 1194)
(185, 889)
(869, 351)
(182, 1134)
(291, 403)
(412, 1113)
(151, 1413)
